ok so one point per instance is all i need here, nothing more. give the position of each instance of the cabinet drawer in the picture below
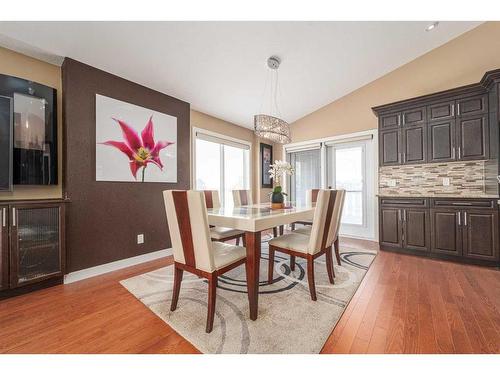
(441, 111)
(464, 203)
(404, 202)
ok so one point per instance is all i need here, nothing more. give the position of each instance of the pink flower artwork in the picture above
(140, 150)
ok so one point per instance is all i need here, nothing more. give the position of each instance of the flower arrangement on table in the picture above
(278, 171)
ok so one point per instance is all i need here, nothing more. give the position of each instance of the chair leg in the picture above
(238, 241)
(270, 266)
(293, 226)
(282, 229)
(292, 262)
(310, 277)
(275, 232)
(212, 293)
(244, 240)
(329, 265)
(337, 251)
(177, 287)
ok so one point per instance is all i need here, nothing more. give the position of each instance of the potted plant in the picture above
(277, 171)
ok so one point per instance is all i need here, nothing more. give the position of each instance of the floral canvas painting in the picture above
(133, 143)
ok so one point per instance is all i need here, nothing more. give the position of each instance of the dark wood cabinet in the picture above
(472, 137)
(473, 105)
(446, 234)
(33, 245)
(480, 234)
(404, 224)
(441, 141)
(4, 248)
(441, 111)
(391, 120)
(414, 116)
(416, 233)
(459, 229)
(390, 227)
(414, 144)
(390, 147)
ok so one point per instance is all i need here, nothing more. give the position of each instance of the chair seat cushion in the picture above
(225, 254)
(304, 230)
(219, 233)
(292, 241)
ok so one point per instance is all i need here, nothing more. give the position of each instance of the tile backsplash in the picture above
(471, 178)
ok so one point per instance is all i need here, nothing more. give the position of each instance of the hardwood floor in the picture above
(405, 304)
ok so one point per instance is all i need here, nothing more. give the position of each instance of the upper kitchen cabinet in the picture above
(452, 125)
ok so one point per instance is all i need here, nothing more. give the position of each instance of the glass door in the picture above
(347, 169)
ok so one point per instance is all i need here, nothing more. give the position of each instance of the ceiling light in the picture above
(271, 126)
(432, 26)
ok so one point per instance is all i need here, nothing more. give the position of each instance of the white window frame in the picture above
(351, 137)
(210, 133)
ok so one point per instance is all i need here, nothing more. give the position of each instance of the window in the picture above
(221, 164)
(307, 173)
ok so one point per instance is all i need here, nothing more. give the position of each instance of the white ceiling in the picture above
(220, 67)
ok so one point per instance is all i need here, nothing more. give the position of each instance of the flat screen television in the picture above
(31, 124)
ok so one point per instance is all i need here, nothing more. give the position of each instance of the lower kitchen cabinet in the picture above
(480, 234)
(460, 229)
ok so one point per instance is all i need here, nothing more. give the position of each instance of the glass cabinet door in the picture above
(4, 247)
(36, 243)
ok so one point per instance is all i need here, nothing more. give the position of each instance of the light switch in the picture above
(140, 238)
(446, 181)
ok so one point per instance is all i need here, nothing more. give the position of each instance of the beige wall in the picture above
(204, 121)
(459, 62)
(15, 64)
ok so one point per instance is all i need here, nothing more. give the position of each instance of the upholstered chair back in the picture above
(323, 228)
(242, 198)
(212, 198)
(188, 226)
(312, 196)
(337, 212)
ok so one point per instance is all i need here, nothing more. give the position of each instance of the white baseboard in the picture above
(113, 266)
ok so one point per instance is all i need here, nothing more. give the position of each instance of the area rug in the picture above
(289, 321)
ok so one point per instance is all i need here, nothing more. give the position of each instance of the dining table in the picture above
(253, 219)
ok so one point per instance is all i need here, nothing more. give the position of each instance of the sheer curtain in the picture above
(307, 164)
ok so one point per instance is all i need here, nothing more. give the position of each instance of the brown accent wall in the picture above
(461, 61)
(22, 66)
(104, 218)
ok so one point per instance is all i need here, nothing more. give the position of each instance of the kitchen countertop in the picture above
(483, 196)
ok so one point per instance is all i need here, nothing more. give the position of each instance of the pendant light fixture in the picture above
(271, 126)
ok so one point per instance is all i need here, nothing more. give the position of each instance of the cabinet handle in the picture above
(404, 121)
(404, 215)
(459, 152)
(4, 218)
(404, 157)
(458, 109)
(13, 216)
(465, 219)
(399, 120)
(452, 110)
(453, 153)
(459, 219)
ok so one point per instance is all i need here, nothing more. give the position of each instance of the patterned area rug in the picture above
(289, 321)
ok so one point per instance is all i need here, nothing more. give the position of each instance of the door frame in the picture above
(373, 164)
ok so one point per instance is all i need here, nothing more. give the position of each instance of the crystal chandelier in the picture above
(272, 127)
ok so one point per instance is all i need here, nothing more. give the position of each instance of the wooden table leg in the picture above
(252, 270)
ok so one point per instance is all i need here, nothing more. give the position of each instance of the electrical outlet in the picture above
(446, 181)
(391, 183)
(140, 238)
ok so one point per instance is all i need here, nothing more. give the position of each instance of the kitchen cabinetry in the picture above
(460, 229)
(450, 128)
